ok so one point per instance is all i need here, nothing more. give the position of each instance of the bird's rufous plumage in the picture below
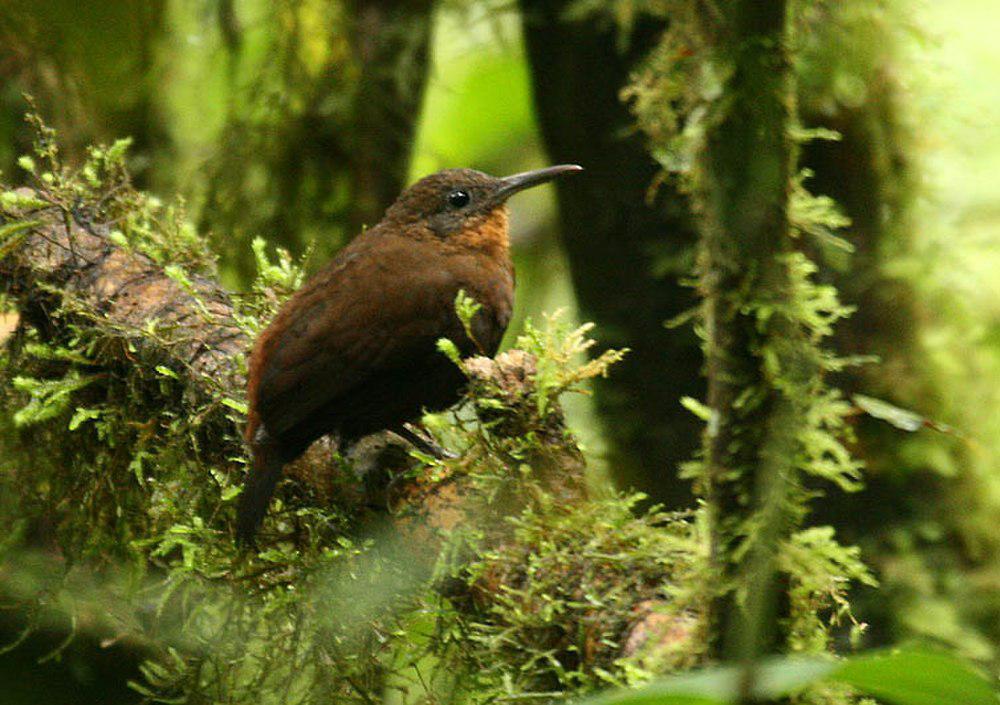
(354, 351)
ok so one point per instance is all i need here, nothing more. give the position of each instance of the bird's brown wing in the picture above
(373, 310)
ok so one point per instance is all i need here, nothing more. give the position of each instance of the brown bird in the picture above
(354, 350)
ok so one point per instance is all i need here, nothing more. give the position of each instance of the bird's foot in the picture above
(423, 442)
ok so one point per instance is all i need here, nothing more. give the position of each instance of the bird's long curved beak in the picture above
(510, 185)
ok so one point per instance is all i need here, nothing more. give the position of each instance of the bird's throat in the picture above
(489, 234)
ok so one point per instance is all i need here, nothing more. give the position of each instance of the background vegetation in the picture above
(297, 121)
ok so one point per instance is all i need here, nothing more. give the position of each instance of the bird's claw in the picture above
(424, 443)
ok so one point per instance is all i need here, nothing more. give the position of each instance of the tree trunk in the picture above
(303, 139)
(758, 363)
(871, 174)
(57, 51)
(626, 254)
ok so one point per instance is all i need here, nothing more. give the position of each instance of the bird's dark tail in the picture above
(258, 488)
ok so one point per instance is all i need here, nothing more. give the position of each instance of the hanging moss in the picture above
(716, 102)
(932, 533)
(622, 235)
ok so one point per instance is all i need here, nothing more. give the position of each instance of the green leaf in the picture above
(720, 685)
(236, 405)
(81, 416)
(117, 237)
(50, 352)
(166, 372)
(12, 233)
(911, 677)
(21, 201)
(900, 418)
(49, 397)
(467, 307)
(178, 274)
(808, 134)
(136, 465)
(903, 677)
(116, 152)
(903, 419)
(450, 350)
(697, 408)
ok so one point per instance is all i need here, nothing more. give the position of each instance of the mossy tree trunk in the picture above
(626, 254)
(869, 174)
(160, 364)
(93, 67)
(758, 361)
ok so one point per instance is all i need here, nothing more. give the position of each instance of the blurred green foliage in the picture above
(900, 677)
(927, 519)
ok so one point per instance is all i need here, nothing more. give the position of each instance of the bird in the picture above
(354, 350)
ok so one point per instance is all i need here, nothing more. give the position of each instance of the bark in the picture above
(393, 49)
(626, 258)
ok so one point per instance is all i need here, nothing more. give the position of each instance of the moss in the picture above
(122, 463)
(716, 102)
(579, 587)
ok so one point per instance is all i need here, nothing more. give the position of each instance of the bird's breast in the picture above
(490, 281)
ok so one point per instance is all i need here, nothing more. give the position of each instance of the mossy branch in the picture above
(129, 358)
(64, 262)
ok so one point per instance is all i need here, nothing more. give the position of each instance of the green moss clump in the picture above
(583, 598)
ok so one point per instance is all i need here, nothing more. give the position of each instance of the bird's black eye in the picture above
(458, 199)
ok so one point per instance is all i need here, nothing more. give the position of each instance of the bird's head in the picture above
(465, 203)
